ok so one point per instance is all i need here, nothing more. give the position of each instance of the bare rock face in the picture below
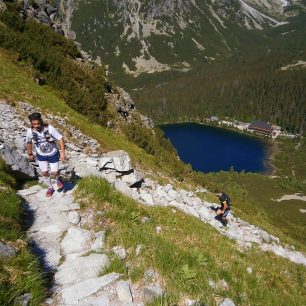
(18, 163)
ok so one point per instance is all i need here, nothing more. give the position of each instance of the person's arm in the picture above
(224, 207)
(29, 145)
(30, 150)
(62, 149)
(60, 138)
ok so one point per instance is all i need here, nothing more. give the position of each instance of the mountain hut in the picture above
(261, 127)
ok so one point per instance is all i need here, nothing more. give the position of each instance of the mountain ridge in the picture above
(135, 32)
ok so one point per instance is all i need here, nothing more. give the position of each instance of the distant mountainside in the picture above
(136, 37)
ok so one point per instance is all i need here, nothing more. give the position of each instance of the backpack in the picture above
(224, 197)
(46, 133)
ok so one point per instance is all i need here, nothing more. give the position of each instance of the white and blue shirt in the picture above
(44, 140)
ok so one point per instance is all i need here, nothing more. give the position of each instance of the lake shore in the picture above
(272, 148)
(213, 148)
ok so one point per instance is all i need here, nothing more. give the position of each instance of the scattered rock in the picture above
(158, 229)
(124, 292)
(249, 270)
(227, 302)
(188, 302)
(23, 300)
(145, 220)
(222, 285)
(18, 163)
(152, 291)
(74, 217)
(146, 198)
(265, 237)
(119, 251)
(6, 251)
(49, 301)
(133, 178)
(211, 284)
(99, 241)
(3, 7)
(117, 160)
(138, 249)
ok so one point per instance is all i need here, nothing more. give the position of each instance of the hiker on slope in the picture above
(223, 211)
(43, 136)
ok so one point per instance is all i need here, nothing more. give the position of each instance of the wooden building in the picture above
(261, 127)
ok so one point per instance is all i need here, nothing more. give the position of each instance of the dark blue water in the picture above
(211, 149)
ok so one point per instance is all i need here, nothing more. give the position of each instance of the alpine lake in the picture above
(213, 149)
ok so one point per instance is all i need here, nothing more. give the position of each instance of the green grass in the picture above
(22, 273)
(253, 198)
(290, 158)
(187, 253)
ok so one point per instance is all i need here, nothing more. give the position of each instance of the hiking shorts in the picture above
(44, 161)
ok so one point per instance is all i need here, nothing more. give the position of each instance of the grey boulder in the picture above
(6, 251)
(117, 160)
(18, 163)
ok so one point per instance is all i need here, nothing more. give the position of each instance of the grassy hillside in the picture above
(16, 75)
(188, 254)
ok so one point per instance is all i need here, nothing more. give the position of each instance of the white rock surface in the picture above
(227, 302)
(81, 268)
(72, 295)
(124, 292)
(119, 251)
(77, 240)
(118, 160)
(99, 241)
(74, 217)
(249, 270)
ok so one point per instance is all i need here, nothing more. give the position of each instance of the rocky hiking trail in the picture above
(71, 252)
(59, 232)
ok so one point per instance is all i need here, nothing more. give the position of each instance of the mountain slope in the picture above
(187, 253)
(177, 246)
(153, 36)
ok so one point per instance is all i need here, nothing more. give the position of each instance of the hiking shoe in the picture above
(49, 192)
(224, 222)
(59, 184)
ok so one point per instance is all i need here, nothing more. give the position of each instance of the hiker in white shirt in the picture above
(43, 136)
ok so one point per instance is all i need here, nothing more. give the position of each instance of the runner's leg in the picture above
(54, 167)
(43, 166)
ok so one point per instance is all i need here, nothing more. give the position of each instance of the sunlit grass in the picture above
(188, 253)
